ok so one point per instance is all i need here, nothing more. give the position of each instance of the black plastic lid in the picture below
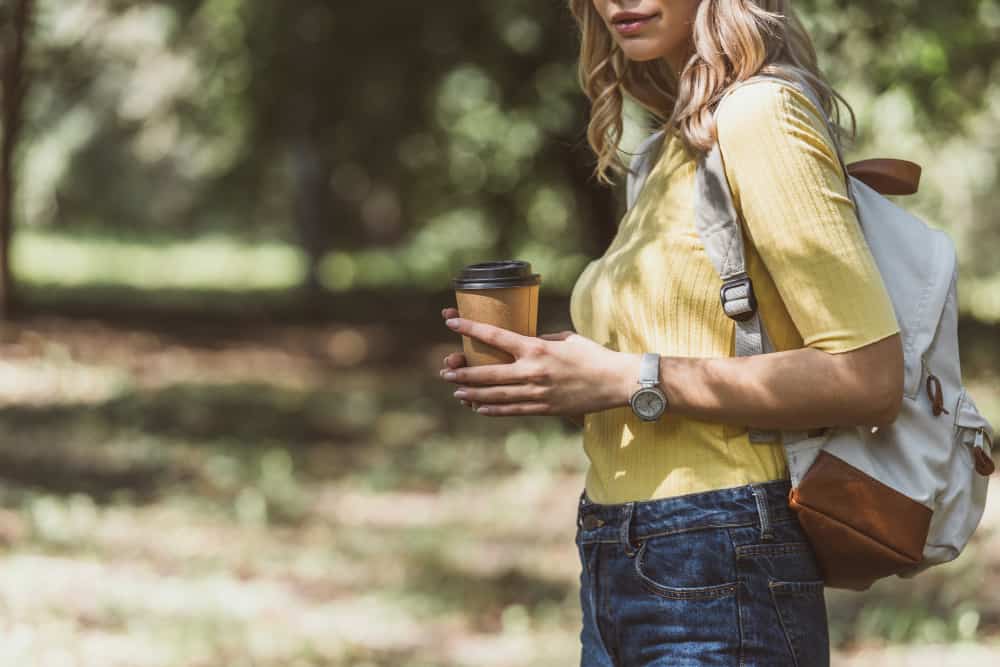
(494, 275)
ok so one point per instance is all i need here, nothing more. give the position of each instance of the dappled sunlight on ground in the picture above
(192, 499)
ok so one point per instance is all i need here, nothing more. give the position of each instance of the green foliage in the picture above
(427, 136)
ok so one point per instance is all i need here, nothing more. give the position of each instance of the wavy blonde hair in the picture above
(733, 40)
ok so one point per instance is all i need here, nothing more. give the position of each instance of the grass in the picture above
(48, 261)
(214, 262)
(171, 499)
(196, 493)
(172, 502)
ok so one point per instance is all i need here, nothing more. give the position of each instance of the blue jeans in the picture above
(723, 577)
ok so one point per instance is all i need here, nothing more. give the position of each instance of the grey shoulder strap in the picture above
(718, 226)
(640, 166)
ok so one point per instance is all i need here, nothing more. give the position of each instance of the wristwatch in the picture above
(648, 402)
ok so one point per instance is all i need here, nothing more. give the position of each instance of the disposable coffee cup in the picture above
(504, 294)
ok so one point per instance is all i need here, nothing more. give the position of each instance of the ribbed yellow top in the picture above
(655, 290)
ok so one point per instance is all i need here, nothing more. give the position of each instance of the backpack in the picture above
(872, 502)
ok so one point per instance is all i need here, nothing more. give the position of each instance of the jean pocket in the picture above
(687, 566)
(801, 608)
(787, 556)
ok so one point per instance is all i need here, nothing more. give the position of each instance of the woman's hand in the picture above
(563, 374)
(455, 359)
(458, 360)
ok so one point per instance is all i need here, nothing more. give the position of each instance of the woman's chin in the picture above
(640, 52)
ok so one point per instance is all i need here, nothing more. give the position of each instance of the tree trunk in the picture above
(599, 201)
(312, 196)
(15, 19)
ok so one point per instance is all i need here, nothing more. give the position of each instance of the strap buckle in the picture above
(738, 299)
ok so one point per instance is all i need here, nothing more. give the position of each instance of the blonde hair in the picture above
(733, 40)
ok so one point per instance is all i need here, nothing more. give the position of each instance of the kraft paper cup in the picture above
(502, 293)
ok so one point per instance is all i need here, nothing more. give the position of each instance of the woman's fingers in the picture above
(515, 409)
(455, 360)
(510, 393)
(451, 362)
(504, 339)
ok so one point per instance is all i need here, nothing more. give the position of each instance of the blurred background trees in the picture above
(15, 22)
(383, 146)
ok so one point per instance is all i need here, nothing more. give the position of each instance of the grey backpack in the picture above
(873, 502)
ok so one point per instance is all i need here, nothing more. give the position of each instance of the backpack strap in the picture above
(719, 228)
(640, 166)
(718, 225)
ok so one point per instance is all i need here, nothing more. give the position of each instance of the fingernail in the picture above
(452, 322)
(459, 394)
(449, 375)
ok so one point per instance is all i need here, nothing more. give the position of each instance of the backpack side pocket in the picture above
(975, 433)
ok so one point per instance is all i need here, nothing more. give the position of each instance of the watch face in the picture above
(648, 403)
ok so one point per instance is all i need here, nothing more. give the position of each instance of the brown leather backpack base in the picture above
(854, 545)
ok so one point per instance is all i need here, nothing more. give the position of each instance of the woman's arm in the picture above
(791, 390)
(568, 374)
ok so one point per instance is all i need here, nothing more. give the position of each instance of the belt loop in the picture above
(626, 525)
(760, 495)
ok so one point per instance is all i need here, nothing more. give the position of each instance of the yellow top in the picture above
(655, 290)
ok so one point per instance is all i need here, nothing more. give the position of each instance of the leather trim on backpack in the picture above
(887, 176)
(860, 529)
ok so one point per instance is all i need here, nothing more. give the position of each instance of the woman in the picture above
(689, 552)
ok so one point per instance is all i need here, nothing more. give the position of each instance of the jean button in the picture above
(591, 522)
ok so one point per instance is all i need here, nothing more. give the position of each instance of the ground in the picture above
(230, 495)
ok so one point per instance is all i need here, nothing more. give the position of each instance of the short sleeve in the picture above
(788, 185)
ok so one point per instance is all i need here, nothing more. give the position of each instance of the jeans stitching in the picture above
(605, 595)
(623, 533)
(740, 588)
(690, 529)
(597, 599)
(784, 626)
(799, 588)
(677, 593)
(751, 550)
(762, 511)
(792, 589)
(643, 538)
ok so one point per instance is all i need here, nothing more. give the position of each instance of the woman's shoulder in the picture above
(762, 103)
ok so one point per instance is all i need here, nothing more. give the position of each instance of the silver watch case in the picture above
(648, 403)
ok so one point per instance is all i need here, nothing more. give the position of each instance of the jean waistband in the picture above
(762, 503)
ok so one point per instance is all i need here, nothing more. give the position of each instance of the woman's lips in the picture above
(633, 25)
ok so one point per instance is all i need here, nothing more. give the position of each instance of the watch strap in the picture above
(649, 369)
